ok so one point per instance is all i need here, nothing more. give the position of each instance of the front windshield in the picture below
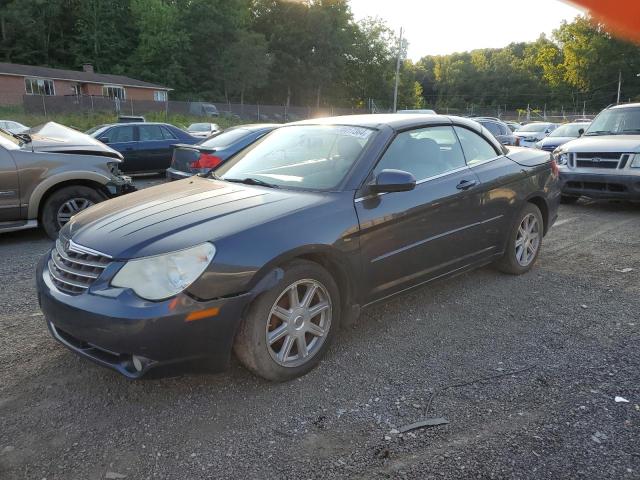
(616, 121)
(199, 127)
(533, 127)
(569, 130)
(314, 157)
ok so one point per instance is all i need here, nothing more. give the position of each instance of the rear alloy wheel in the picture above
(524, 242)
(288, 328)
(62, 204)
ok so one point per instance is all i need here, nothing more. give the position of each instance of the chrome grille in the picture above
(73, 268)
(598, 160)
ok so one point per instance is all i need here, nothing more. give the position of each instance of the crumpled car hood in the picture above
(53, 137)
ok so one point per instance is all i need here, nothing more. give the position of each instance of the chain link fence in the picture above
(55, 105)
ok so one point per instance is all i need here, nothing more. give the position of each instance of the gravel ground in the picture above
(525, 370)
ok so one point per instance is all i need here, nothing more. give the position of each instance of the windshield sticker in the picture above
(358, 132)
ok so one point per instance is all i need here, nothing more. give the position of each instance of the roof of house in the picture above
(73, 75)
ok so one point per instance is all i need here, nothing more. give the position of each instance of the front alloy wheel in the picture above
(298, 323)
(69, 208)
(287, 329)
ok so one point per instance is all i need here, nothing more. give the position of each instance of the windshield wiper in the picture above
(598, 132)
(631, 130)
(251, 181)
(23, 137)
(210, 174)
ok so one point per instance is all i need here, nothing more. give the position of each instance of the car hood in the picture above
(53, 137)
(179, 215)
(605, 143)
(555, 141)
(528, 134)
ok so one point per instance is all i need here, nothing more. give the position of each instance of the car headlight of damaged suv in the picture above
(561, 158)
(635, 161)
(163, 276)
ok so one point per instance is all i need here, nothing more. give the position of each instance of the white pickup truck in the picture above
(605, 161)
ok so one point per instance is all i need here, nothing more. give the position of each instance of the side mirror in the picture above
(547, 131)
(581, 132)
(104, 139)
(389, 180)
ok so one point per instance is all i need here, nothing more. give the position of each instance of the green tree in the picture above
(246, 64)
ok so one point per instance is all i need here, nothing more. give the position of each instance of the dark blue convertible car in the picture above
(145, 146)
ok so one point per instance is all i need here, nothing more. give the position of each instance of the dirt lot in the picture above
(525, 369)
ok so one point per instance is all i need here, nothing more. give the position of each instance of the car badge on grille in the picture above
(596, 159)
(70, 245)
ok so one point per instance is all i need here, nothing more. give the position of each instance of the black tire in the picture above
(250, 344)
(53, 203)
(567, 200)
(509, 262)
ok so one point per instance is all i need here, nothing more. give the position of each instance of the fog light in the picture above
(137, 363)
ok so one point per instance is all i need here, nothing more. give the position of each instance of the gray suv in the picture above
(52, 173)
(605, 161)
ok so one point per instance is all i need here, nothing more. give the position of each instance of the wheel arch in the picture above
(45, 190)
(329, 258)
(539, 201)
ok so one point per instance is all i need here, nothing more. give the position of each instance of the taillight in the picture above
(517, 141)
(554, 167)
(206, 160)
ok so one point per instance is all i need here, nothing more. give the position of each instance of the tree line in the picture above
(311, 52)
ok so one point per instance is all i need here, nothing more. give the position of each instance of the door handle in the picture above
(466, 184)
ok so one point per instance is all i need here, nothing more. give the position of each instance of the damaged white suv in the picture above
(605, 161)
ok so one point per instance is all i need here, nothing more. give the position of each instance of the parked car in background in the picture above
(605, 161)
(424, 111)
(188, 160)
(203, 109)
(500, 130)
(146, 147)
(561, 135)
(531, 133)
(131, 119)
(513, 126)
(203, 129)
(53, 173)
(13, 127)
(313, 222)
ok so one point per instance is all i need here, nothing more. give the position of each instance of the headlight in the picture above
(561, 158)
(635, 161)
(163, 276)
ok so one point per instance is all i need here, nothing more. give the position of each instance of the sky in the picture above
(437, 27)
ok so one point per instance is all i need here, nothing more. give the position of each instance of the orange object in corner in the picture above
(200, 314)
(621, 17)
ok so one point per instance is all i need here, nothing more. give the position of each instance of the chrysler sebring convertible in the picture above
(290, 238)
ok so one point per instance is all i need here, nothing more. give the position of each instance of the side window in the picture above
(150, 132)
(476, 149)
(493, 127)
(120, 134)
(167, 134)
(424, 152)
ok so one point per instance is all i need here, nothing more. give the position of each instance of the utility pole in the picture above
(619, 84)
(395, 89)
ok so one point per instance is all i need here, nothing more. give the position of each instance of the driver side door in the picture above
(411, 237)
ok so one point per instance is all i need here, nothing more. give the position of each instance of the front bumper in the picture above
(116, 329)
(624, 187)
(120, 185)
